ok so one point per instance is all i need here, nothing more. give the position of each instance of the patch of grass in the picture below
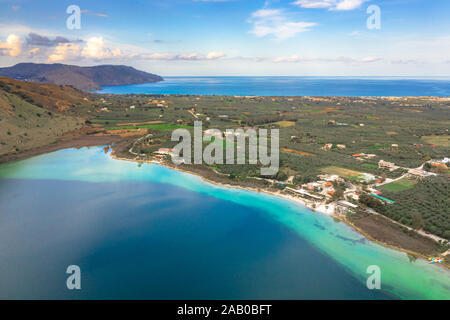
(302, 153)
(151, 126)
(346, 173)
(399, 185)
(369, 165)
(285, 124)
(443, 141)
(378, 146)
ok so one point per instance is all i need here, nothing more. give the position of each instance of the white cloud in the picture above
(12, 46)
(340, 5)
(215, 55)
(370, 59)
(314, 3)
(33, 52)
(183, 56)
(299, 59)
(273, 22)
(64, 51)
(95, 49)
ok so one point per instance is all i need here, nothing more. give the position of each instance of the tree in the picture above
(417, 221)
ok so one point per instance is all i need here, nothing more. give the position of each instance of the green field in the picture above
(151, 126)
(346, 173)
(399, 185)
(443, 140)
(369, 165)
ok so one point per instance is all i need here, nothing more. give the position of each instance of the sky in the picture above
(233, 37)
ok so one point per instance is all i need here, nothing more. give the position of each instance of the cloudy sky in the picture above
(234, 37)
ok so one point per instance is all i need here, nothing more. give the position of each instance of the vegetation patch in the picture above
(151, 126)
(443, 141)
(423, 207)
(369, 166)
(285, 124)
(302, 153)
(346, 173)
(399, 185)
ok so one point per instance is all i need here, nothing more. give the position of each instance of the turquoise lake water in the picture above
(291, 86)
(149, 232)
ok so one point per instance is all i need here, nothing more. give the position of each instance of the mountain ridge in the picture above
(84, 78)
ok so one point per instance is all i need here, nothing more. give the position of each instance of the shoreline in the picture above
(113, 142)
(296, 200)
(79, 141)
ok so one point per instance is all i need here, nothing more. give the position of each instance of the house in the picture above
(438, 164)
(347, 204)
(368, 177)
(418, 173)
(344, 206)
(354, 196)
(386, 165)
(132, 107)
(327, 146)
(304, 193)
(341, 146)
(329, 177)
(394, 145)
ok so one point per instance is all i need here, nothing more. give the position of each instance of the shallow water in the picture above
(152, 232)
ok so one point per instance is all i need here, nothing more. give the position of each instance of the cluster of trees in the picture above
(424, 206)
(372, 202)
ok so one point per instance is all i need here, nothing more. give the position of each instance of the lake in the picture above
(291, 86)
(149, 232)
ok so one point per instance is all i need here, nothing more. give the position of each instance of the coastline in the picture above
(303, 202)
(117, 143)
(77, 141)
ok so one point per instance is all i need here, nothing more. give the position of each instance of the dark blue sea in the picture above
(292, 86)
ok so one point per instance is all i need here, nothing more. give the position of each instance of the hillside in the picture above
(84, 78)
(33, 115)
